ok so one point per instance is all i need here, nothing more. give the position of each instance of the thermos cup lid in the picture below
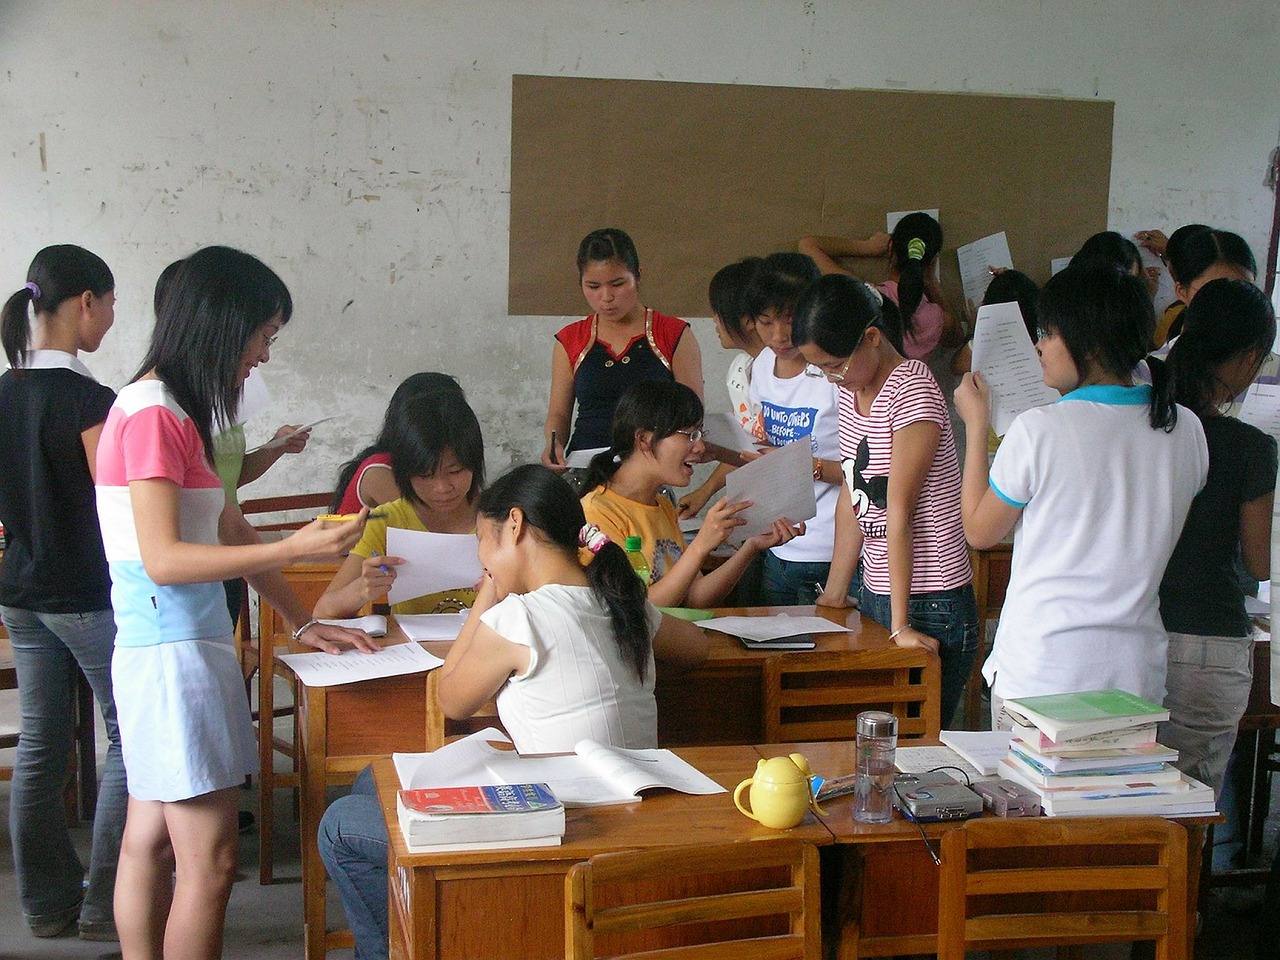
(877, 723)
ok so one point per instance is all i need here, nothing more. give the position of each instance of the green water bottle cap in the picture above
(633, 544)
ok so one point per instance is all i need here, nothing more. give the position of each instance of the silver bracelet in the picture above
(297, 634)
(891, 636)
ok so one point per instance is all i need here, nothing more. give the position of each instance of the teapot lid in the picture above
(780, 770)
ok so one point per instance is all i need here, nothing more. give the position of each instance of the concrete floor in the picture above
(266, 922)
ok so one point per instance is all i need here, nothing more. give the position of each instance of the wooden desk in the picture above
(511, 902)
(344, 728)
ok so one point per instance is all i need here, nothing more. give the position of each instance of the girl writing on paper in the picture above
(912, 250)
(55, 593)
(1227, 332)
(437, 458)
(899, 507)
(623, 342)
(1107, 472)
(656, 440)
(561, 632)
(185, 729)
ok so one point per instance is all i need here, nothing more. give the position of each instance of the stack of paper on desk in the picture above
(765, 629)
(327, 670)
(593, 775)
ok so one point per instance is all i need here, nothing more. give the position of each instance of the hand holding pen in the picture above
(377, 573)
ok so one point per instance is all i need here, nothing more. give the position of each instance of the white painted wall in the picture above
(362, 148)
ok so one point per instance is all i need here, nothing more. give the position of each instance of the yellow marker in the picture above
(344, 517)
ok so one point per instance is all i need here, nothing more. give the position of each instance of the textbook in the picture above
(1189, 797)
(1069, 716)
(452, 818)
(1108, 740)
(593, 775)
(1118, 759)
(1017, 769)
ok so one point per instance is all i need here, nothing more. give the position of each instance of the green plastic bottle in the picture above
(638, 563)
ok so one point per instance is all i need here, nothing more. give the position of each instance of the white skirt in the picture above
(185, 727)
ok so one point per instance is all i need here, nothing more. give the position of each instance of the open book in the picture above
(593, 775)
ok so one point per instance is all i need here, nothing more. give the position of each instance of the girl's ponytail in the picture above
(1163, 409)
(56, 274)
(916, 243)
(550, 506)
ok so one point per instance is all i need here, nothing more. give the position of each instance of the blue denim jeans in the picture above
(353, 846)
(792, 581)
(46, 649)
(951, 618)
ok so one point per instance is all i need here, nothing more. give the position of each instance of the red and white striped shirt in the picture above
(940, 556)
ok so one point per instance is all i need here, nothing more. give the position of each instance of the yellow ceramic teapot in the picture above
(780, 793)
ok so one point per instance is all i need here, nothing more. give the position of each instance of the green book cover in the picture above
(1086, 712)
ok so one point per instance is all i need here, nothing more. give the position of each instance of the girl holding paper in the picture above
(437, 459)
(899, 508)
(657, 439)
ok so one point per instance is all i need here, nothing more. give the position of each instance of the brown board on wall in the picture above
(703, 174)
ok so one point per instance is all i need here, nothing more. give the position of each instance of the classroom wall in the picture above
(362, 149)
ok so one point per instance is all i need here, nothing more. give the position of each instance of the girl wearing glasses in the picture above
(656, 441)
(437, 459)
(899, 508)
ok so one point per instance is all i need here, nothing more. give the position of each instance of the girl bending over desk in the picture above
(561, 631)
(437, 458)
(657, 438)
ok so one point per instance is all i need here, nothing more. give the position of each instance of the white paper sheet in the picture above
(891, 221)
(1261, 407)
(433, 562)
(770, 628)
(982, 748)
(976, 259)
(581, 459)
(779, 484)
(281, 441)
(375, 625)
(1164, 294)
(431, 626)
(463, 763)
(350, 666)
(1005, 356)
(723, 430)
(1058, 264)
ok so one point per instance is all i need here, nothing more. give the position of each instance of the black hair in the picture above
(432, 424)
(778, 283)
(1175, 249)
(659, 407)
(834, 312)
(1113, 248)
(552, 508)
(163, 284)
(1198, 250)
(726, 294)
(1227, 319)
(218, 299)
(914, 226)
(1014, 286)
(1105, 318)
(59, 272)
(413, 385)
(608, 243)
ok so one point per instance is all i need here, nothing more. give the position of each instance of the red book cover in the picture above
(503, 798)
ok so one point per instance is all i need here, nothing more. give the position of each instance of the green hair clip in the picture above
(915, 249)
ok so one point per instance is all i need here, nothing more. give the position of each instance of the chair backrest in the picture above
(441, 729)
(1007, 884)
(747, 901)
(817, 696)
(311, 502)
(309, 581)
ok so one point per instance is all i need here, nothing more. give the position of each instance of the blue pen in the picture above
(381, 566)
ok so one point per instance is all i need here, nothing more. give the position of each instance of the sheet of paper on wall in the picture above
(891, 221)
(1058, 264)
(976, 259)
(581, 459)
(433, 562)
(779, 484)
(724, 430)
(1261, 407)
(1005, 356)
(326, 670)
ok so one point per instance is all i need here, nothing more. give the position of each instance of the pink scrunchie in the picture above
(592, 537)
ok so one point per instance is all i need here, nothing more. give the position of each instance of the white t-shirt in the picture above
(738, 382)
(794, 409)
(1103, 497)
(578, 685)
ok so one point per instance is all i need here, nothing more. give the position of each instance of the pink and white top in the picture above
(940, 556)
(148, 436)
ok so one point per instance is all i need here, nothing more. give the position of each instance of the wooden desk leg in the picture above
(1195, 850)
(311, 808)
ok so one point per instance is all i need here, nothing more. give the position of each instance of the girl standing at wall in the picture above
(55, 593)
(623, 342)
(185, 728)
(899, 507)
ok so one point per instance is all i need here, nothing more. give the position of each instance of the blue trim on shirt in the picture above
(999, 493)
(1112, 393)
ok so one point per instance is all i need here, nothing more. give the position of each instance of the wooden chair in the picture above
(1007, 884)
(817, 696)
(991, 568)
(442, 729)
(747, 901)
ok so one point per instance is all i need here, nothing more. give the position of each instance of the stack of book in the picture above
(1094, 753)
(480, 817)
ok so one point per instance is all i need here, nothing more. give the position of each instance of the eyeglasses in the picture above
(834, 376)
(269, 341)
(694, 435)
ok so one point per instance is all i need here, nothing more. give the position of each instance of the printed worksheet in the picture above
(327, 670)
(779, 484)
(976, 260)
(1005, 356)
(1261, 407)
(433, 562)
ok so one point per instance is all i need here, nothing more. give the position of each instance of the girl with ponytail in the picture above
(912, 250)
